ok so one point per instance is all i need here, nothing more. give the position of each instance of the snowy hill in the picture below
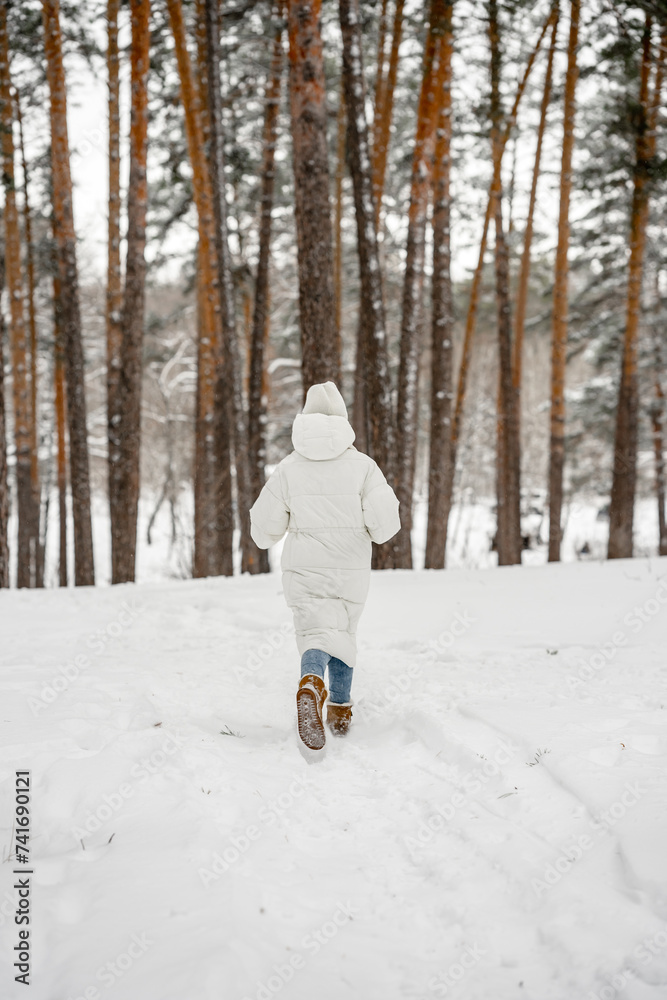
(493, 828)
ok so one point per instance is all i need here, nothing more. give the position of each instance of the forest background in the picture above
(163, 319)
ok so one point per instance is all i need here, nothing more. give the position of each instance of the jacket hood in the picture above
(322, 430)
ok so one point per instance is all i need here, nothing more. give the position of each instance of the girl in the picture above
(332, 500)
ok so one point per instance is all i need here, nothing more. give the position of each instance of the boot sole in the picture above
(311, 729)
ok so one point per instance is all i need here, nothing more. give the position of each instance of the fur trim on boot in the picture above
(339, 718)
(310, 698)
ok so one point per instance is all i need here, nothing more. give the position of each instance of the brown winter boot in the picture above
(310, 698)
(339, 718)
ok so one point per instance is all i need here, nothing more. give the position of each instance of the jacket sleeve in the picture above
(269, 515)
(380, 506)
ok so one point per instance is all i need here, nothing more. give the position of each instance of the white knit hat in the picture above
(325, 398)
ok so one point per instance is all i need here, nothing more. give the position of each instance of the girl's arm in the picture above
(380, 506)
(269, 515)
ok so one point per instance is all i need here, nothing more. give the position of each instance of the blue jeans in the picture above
(314, 661)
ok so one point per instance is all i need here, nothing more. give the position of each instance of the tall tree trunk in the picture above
(114, 291)
(524, 272)
(442, 316)
(380, 78)
(223, 416)
(124, 537)
(621, 508)
(658, 408)
(371, 306)
(508, 455)
(213, 504)
(657, 412)
(223, 401)
(657, 416)
(471, 315)
(384, 101)
(320, 357)
(17, 338)
(61, 426)
(408, 376)
(28, 526)
(257, 387)
(4, 484)
(246, 305)
(383, 113)
(84, 573)
(559, 320)
(341, 125)
(32, 339)
(360, 400)
(232, 382)
(360, 397)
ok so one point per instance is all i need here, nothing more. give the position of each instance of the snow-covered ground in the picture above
(494, 827)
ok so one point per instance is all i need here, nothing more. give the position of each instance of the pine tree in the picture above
(383, 106)
(114, 290)
(473, 302)
(607, 133)
(508, 457)
(383, 114)
(84, 573)
(320, 359)
(380, 78)
(341, 128)
(4, 485)
(230, 386)
(560, 299)
(372, 318)
(124, 533)
(32, 345)
(360, 398)
(657, 410)
(213, 506)
(442, 316)
(257, 401)
(524, 272)
(420, 184)
(657, 413)
(621, 508)
(28, 526)
(60, 406)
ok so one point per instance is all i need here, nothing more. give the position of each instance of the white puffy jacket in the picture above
(332, 500)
